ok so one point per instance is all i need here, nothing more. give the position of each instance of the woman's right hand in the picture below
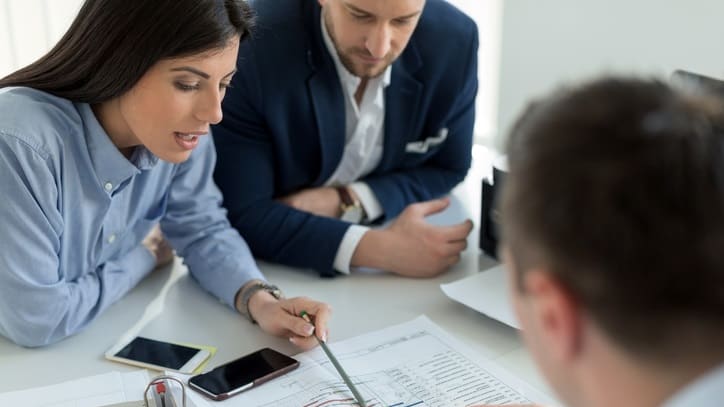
(282, 317)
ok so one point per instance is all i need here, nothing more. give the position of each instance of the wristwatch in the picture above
(246, 295)
(352, 210)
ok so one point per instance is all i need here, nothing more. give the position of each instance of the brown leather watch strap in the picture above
(345, 196)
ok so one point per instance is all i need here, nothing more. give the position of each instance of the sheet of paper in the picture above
(92, 391)
(412, 364)
(485, 292)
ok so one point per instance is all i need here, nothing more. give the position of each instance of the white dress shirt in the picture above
(706, 391)
(364, 136)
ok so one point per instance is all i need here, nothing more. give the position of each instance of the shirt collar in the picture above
(110, 165)
(348, 79)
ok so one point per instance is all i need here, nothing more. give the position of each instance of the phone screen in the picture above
(243, 371)
(157, 353)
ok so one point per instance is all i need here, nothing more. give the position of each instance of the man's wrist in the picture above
(372, 250)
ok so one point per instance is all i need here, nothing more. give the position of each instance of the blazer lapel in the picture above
(326, 97)
(402, 99)
(328, 104)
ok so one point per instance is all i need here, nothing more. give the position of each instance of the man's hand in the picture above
(158, 246)
(411, 246)
(322, 201)
(281, 317)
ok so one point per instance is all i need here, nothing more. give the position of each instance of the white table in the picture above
(362, 302)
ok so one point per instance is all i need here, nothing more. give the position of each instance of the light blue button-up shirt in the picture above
(74, 211)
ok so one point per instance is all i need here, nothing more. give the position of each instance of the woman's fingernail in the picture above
(309, 329)
(324, 337)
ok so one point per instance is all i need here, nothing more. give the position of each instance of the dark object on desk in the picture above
(687, 78)
(489, 216)
(242, 374)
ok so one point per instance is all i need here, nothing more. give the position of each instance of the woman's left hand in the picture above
(282, 317)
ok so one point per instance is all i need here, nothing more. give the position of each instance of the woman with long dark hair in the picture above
(105, 137)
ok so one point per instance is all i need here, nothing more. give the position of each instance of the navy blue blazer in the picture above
(284, 126)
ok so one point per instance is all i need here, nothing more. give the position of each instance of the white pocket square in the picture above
(422, 146)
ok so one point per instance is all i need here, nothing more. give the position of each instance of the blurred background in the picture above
(527, 47)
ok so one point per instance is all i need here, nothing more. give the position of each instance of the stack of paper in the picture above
(92, 391)
(412, 364)
(485, 292)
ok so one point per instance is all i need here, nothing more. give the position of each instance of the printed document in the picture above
(412, 364)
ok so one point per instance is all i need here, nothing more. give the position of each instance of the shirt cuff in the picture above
(347, 247)
(368, 200)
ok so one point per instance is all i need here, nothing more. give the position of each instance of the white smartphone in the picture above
(158, 355)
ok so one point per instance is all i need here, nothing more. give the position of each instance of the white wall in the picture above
(29, 28)
(546, 43)
(487, 15)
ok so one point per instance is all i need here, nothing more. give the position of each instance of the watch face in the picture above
(276, 292)
(352, 214)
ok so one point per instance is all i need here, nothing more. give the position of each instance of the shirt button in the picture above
(112, 238)
(108, 186)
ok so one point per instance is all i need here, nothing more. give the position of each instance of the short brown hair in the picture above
(617, 186)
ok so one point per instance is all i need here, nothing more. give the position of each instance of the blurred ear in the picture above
(555, 314)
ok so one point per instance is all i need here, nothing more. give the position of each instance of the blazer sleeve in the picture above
(448, 166)
(245, 173)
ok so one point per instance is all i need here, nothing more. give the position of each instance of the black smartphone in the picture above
(242, 374)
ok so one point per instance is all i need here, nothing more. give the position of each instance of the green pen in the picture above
(336, 364)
